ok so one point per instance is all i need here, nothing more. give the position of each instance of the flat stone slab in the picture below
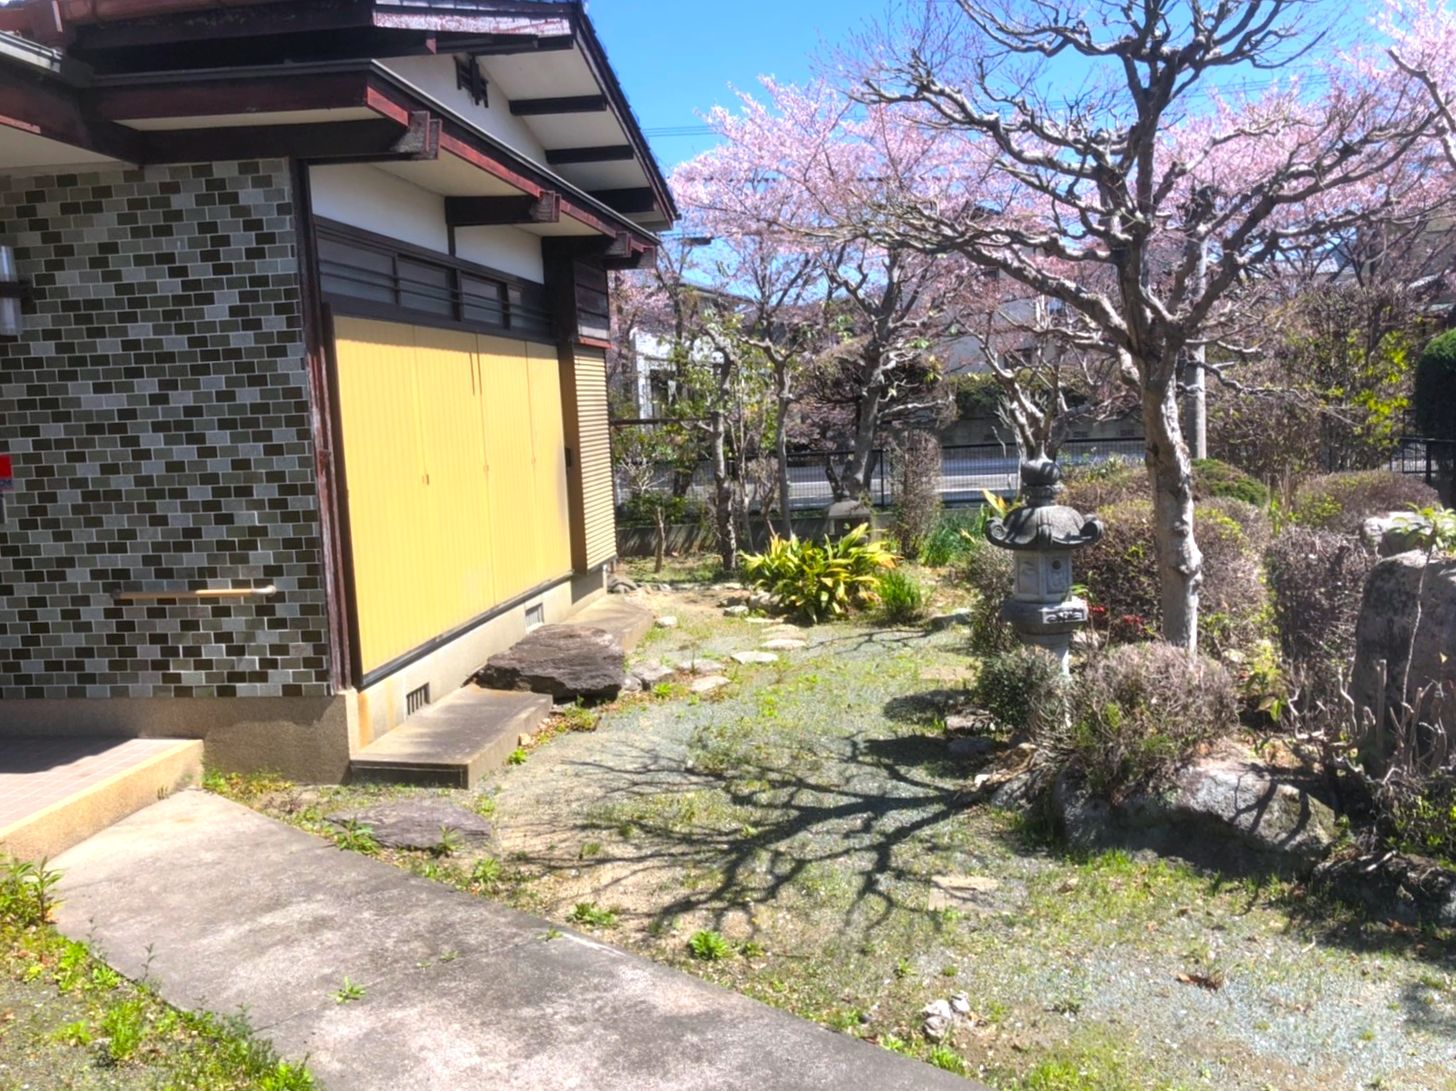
(454, 742)
(625, 620)
(785, 644)
(221, 908)
(568, 662)
(700, 666)
(708, 684)
(754, 657)
(650, 674)
(421, 823)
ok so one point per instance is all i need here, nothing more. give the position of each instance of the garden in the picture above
(839, 784)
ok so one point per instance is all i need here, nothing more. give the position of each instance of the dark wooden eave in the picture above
(610, 153)
(572, 104)
(497, 211)
(629, 202)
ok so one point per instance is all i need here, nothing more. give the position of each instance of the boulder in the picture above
(1215, 809)
(1390, 535)
(971, 747)
(667, 621)
(1390, 649)
(417, 824)
(621, 585)
(1392, 887)
(569, 662)
(736, 611)
(941, 622)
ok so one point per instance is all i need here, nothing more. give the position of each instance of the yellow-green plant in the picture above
(816, 581)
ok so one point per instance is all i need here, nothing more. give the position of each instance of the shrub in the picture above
(1435, 388)
(902, 598)
(820, 580)
(977, 396)
(1423, 821)
(1212, 478)
(1095, 486)
(1317, 578)
(1023, 688)
(1121, 573)
(916, 458)
(990, 573)
(950, 541)
(642, 510)
(1342, 502)
(1141, 710)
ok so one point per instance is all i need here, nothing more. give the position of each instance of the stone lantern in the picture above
(1042, 535)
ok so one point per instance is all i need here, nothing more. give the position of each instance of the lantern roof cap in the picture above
(1042, 524)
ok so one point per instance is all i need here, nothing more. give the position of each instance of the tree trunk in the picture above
(723, 513)
(661, 515)
(1180, 564)
(859, 469)
(781, 452)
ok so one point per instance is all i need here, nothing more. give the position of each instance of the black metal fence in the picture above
(967, 471)
(1431, 459)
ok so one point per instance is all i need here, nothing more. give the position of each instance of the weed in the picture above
(518, 756)
(893, 1044)
(578, 717)
(25, 892)
(354, 836)
(948, 1059)
(708, 946)
(486, 872)
(123, 1026)
(593, 915)
(450, 842)
(349, 992)
(551, 934)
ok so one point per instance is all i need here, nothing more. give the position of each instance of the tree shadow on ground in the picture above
(772, 824)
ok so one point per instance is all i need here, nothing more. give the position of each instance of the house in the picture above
(305, 415)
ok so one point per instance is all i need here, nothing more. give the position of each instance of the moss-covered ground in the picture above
(803, 835)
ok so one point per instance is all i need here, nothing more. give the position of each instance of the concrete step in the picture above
(57, 792)
(453, 743)
(626, 621)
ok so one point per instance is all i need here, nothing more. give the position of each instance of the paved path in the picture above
(224, 909)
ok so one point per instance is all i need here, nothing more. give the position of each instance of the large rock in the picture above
(1391, 649)
(1388, 535)
(1391, 887)
(570, 662)
(1216, 810)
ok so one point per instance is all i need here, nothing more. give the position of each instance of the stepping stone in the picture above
(941, 622)
(755, 657)
(784, 644)
(701, 666)
(759, 620)
(709, 684)
(650, 674)
(947, 674)
(963, 892)
(668, 622)
(741, 610)
(417, 823)
(566, 661)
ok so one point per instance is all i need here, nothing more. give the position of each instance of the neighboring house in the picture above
(308, 412)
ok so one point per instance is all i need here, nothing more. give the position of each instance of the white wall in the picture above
(366, 197)
(505, 248)
(435, 76)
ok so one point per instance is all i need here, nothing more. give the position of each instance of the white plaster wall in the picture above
(368, 198)
(504, 248)
(435, 76)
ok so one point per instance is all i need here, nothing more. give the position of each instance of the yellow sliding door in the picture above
(456, 479)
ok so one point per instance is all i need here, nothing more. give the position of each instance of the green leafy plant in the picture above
(1431, 528)
(708, 946)
(989, 572)
(349, 992)
(593, 915)
(449, 844)
(948, 1059)
(25, 892)
(1212, 478)
(818, 581)
(947, 542)
(354, 836)
(902, 598)
(124, 1026)
(518, 756)
(486, 872)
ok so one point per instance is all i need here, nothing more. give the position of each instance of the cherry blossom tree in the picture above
(1112, 164)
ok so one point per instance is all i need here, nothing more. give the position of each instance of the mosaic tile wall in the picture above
(157, 412)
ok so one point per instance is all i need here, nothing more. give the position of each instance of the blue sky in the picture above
(677, 58)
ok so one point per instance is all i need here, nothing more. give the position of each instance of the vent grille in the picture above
(417, 699)
(535, 616)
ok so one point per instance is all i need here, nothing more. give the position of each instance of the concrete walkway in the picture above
(224, 909)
